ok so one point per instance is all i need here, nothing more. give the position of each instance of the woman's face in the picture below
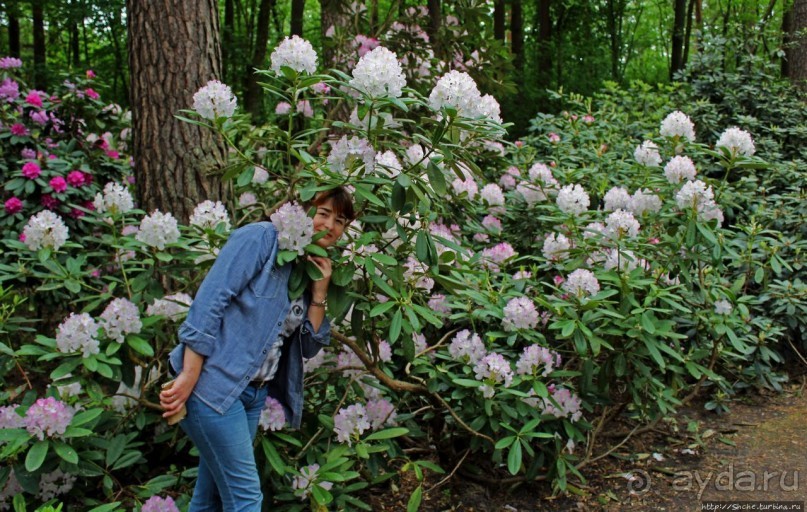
(326, 219)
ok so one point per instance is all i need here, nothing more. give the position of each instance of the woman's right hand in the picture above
(173, 398)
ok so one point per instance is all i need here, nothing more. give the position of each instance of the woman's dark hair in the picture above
(342, 201)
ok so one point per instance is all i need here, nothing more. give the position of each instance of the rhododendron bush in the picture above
(494, 304)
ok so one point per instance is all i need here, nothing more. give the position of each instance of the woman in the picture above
(244, 339)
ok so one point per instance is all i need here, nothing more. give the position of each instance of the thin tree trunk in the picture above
(13, 34)
(688, 34)
(679, 31)
(499, 15)
(374, 16)
(252, 91)
(544, 41)
(797, 53)
(435, 21)
(75, 46)
(614, 31)
(228, 34)
(174, 50)
(787, 39)
(40, 64)
(517, 34)
(297, 11)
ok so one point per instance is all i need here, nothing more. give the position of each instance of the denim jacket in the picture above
(236, 316)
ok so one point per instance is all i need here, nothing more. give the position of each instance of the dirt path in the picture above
(747, 459)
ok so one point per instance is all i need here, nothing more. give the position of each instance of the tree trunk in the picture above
(499, 14)
(174, 50)
(332, 14)
(517, 34)
(40, 65)
(13, 34)
(75, 46)
(297, 11)
(614, 23)
(679, 30)
(435, 21)
(252, 91)
(228, 34)
(688, 33)
(544, 42)
(796, 52)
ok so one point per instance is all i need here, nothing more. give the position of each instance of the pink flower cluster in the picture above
(48, 417)
(159, 504)
(272, 416)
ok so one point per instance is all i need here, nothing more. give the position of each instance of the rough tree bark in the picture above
(333, 13)
(40, 65)
(173, 50)
(13, 33)
(796, 49)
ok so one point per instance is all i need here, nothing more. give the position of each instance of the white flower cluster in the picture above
(378, 74)
(534, 357)
(115, 199)
(573, 200)
(296, 53)
(209, 214)
(700, 197)
(680, 168)
(624, 260)
(418, 274)
(350, 423)
(737, 141)
(541, 175)
(520, 313)
(308, 476)
(723, 307)
(581, 283)
(467, 186)
(387, 164)
(617, 198)
(214, 100)
(121, 317)
(647, 154)
(345, 151)
(467, 347)
(620, 224)
(678, 124)
(272, 416)
(171, 306)
(295, 229)
(45, 230)
(644, 200)
(158, 229)
(56, 483)
(493, 369)
(456, 90)
(489, 108)
(556, 247)
(492, 195)
(78, 332)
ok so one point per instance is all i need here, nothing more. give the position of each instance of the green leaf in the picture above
(320, 495)
(514, 458)
(127, 459)
(654, 352)
(66, 452)
(414, 499)
(380, 309)
(504, 442)
(395, 326)
(273, 457)
(108, 507)
(36, 456)
(647, 322)
(388, 433)
(140, 345)
(85, 417)
(467, 383)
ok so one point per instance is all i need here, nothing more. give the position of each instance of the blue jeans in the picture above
(228, 477)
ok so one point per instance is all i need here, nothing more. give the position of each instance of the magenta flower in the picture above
(34, 99)
(92, 94)
(50, 202)
(58, 184)
(19, 130)
(31, 170)
(13, 205)
(28, 154)
(87, 178)
(75, 178)
(113, 154)
(90, 74)
(76, 213)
